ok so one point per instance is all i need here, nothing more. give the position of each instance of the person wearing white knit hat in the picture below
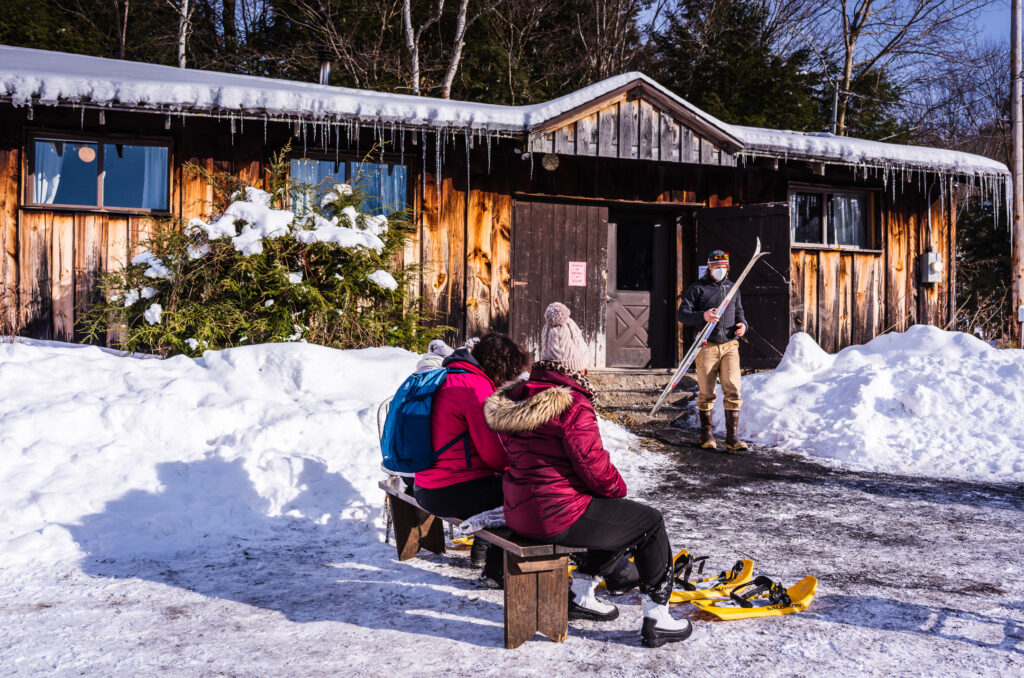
(562, 487)
(561, 340)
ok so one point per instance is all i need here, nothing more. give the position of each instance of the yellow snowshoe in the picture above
(462, 543)
(761, 598)
(700, 586)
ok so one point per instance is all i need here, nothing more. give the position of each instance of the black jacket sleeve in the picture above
(740, 318)
(691, 311)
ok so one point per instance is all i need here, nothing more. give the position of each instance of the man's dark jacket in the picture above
(706, 294)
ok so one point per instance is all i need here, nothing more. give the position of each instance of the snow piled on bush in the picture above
(122, 457)
(259, 221)
(925, 401)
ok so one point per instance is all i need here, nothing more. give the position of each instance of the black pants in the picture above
(463, 500)
(612, 528)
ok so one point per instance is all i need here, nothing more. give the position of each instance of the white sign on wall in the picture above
(577, 274)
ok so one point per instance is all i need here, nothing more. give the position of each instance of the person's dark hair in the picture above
(501, 358)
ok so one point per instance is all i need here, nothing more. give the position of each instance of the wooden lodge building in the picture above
(608, 199)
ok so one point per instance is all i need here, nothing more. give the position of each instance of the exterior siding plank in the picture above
(62, 281)
(608, 132)
(10, 171)
(34, 255)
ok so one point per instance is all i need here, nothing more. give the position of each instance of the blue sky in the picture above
(995, 20)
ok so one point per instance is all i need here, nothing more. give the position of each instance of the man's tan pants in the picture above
(714, 361)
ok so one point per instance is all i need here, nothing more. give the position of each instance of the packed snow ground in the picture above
(220, 516)
(925, 401)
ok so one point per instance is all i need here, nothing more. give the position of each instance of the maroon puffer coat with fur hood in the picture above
(557, 461)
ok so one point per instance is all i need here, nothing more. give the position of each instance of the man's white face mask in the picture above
(718, 273)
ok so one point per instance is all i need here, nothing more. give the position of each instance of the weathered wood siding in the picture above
(632, 126)
(835, 296)
(10, 177)
(467, 242)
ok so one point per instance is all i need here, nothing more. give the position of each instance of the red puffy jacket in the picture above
(557, 461)
(458, 408)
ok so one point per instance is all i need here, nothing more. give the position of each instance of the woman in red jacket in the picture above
(465, 479)
(561, 486)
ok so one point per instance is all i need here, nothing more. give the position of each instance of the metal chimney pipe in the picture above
(326, 59)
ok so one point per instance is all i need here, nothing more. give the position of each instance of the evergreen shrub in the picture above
(259, 273)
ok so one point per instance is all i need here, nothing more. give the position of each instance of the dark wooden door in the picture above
(641, 284)
(765, 292)
(549, 237)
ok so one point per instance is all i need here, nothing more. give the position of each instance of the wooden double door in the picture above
(615, 270)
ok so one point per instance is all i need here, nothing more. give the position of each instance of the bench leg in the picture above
(415, 529)
(536, 598)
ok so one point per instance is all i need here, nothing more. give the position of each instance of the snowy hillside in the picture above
(125, 457)
(924, 401)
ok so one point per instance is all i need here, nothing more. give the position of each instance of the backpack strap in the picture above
(464, 437)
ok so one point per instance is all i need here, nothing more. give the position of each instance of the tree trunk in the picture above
(227, 19)
(453, 65)
(184, 26)
(412, 44)
(122, 35)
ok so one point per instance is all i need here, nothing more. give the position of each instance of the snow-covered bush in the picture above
(259, 273)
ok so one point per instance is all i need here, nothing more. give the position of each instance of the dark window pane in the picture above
(135, 176)
(848, 220)
(64, 173)
(383, 186)
(312, 180)
(635, 256)
(805, 217)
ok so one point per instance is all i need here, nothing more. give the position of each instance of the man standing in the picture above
(720, 356)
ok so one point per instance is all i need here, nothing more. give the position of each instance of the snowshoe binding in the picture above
(761, 598)
(691, 583)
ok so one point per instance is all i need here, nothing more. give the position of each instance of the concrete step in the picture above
(636, 380)
(640, 399)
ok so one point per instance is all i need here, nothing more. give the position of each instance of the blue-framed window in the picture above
(97, 173)
(383, 185)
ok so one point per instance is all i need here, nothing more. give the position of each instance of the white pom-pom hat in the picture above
(561, 340)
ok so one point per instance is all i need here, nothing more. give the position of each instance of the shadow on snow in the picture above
(208, 532)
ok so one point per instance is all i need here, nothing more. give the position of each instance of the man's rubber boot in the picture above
(583, 604)
(659, 627)
(707, 435)
(732, 441)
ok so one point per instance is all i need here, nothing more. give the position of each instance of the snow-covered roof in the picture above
(30, 76)
(849, 150)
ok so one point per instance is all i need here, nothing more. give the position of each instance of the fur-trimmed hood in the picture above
(505, 415)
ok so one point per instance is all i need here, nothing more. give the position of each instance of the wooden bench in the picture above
(536, 574)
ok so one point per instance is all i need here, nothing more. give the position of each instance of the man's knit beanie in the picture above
(561, 340)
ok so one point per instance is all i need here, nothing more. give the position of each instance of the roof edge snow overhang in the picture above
(31, 77)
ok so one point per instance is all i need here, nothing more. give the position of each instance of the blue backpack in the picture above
(405, 442)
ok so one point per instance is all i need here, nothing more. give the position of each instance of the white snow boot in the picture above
(659, 626)
(584, 604)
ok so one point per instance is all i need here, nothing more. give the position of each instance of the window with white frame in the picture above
(831, 218)
(383, 185)
(95, 172)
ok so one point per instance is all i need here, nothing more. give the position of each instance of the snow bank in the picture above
(120, 457)
(924, 401)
